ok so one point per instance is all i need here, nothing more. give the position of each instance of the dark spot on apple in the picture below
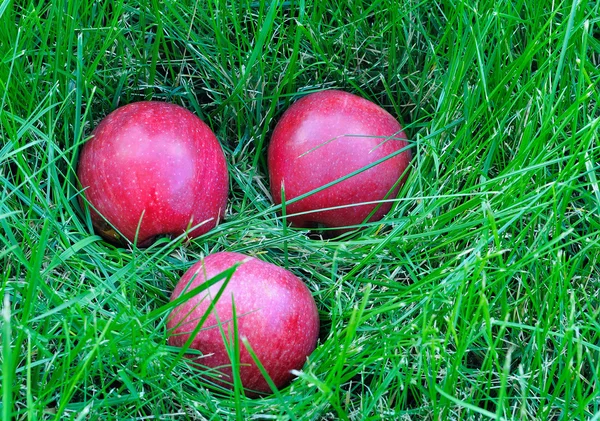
(320, 231)
(316, 230)
(314, 235)
(108, 232)
(153, 239)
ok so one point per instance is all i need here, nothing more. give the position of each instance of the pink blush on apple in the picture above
(325, 136)
(155, 166)
(276, 313)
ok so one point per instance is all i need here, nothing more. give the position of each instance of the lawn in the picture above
(476, 297)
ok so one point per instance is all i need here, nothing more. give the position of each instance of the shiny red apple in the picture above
(325, 136)
(153, 169)
(275, 311)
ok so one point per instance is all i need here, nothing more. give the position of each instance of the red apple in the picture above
(155, 166)
(275, 312)
(325, 136)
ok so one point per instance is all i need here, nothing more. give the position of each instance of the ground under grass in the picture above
(477, 297)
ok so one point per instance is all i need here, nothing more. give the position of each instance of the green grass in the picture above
(477, 297)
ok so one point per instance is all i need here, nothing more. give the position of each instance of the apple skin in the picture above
(157, 159)
(275, 312)
(325, 136)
